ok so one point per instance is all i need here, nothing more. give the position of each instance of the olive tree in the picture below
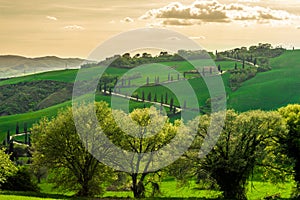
(143, 132)
(243, 143)
(290, 142)
(59, 147)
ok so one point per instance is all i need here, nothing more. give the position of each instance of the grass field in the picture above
(169, 190)
(273, 89)
(9, 122)
(267, 91)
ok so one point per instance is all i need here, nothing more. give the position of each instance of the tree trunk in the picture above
(237, 193)
(138, 187)
(84, 191)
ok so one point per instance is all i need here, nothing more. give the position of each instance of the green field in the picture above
(9, 122)
(169, 190)
(267, 91)
(273, 89)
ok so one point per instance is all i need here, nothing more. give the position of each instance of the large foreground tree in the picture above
(143, 133)
(290, 142)
(243, 143)
(58, 146)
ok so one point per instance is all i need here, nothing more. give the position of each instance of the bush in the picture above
(21, 181)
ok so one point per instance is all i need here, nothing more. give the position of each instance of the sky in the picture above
(74, 28)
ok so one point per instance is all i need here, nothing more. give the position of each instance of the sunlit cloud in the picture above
(74, 27)
(51, 18)
(127, 20)
(212, 11)
(178, 22)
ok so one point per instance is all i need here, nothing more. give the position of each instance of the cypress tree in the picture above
(8, 137)
(171, 104)
(166, 98)
(143, 96)
(11, 150)
(100, 86)
(104, 88)
(25, 132)
(17, 128)
(255, 61)
(29, 140)
(149, 96)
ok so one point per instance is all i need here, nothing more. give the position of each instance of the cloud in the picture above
(51, 18)
(298, 27)
(74, 27)
(177, 22)
(203, 11)
(127, 20)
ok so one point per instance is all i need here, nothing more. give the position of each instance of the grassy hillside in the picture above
(268, 90)
(272, 89)
(9, 122)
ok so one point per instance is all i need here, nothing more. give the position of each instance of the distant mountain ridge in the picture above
(14, 65)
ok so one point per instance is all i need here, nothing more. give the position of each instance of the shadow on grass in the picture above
(59, 196)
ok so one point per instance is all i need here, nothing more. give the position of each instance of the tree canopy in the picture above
(58, 146)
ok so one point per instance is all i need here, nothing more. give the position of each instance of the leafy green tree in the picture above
(7, 168)
(58, 146)
(141, 140)
(244, 142)
(290, 143)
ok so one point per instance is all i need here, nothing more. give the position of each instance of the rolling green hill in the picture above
(272, 89)
(268, 90)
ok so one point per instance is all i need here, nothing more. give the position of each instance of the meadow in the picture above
(267, 91)
(169, 190)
